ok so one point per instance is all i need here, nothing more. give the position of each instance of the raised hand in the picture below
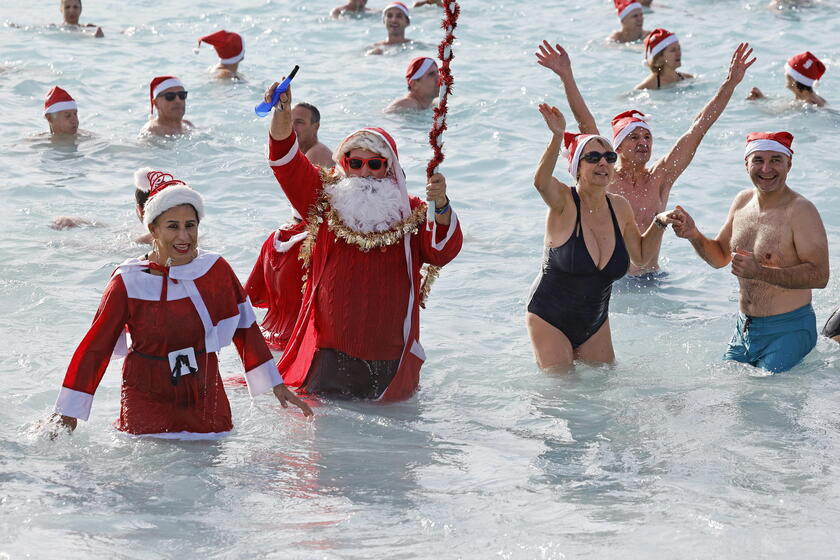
(554, 119)
(740, 62)
(555, 60)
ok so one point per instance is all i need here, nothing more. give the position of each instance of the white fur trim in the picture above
(192, 436)
(630, 7)
(75, 404)
(170, 197)
(141, 179)
(660, 46)
(417, 350)
(234, 59)
(166, 84)
(288, 157)
(400, 7)
(61, 106)
(625, 132)
(801, 78)
(263, 378)
(453, 225)
(582, 142)
(766, 145)
(284, 246)
(423, 69)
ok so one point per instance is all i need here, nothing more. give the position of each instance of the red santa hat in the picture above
(58, 100)
(165, 192)
(398, 5)
(625, 123)
(656, 41)
(378, 141)
(418, 67)
(624, 7)
(160, 84)
(769, 142)
(573, 145)
(805, 68)
(228, 46)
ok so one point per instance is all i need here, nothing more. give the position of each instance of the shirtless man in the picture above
(353, 7)
(306, 120)
(231, 51)
(423, 84)
(632, 20)
(71, 11)
(646, 188)
(396, 18)
(168, 96)
(775, 239)
(801, 73)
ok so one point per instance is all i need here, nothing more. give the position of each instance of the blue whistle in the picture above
(264, 108)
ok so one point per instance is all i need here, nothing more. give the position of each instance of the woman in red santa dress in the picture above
(179, 306)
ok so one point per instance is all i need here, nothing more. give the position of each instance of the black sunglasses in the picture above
(595, 157)
(170, 95)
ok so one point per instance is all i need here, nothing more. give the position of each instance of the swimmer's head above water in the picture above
(71, 11)
(632, 136)
(168, 96)
(803, 71)
(396, 18)
(591, 158)
(768, 158)
(662, 51)
(630, 14)
(61, 112)
(228, 46)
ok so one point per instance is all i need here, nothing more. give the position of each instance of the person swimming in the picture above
(663, 56)
(231, 51)
(802, 71)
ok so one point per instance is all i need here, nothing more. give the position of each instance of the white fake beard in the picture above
(366, 204)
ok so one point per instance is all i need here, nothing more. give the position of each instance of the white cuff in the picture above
(453, 225)
(287, 158)
(262, 378)
(73, 403)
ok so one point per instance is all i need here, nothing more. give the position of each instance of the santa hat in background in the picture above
(573, 145)
(769, 142)
(228, 46)
(656, 41)
(58, 100)
(625, 123)
(625, 7)
(165, 192)
(160, 84)
(378, 141)
(805, 68)
(398, 5)
(418, 67)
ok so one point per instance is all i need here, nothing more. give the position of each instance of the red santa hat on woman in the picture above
(58, 100)
(656, 41)
(165, 192)
(378, 141)
(625, 123)
(418, 67)
(625, 7)
(573, 145)
(228, 46)
(398, 5)
(805, 68)
(159, 84)
(769, 142)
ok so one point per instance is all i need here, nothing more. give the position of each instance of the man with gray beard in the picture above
(357, 334)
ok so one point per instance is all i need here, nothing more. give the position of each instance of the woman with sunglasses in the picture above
(590, 239)
(168, 96)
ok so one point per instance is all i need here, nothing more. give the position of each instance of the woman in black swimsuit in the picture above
(663, 56)
(590, 239)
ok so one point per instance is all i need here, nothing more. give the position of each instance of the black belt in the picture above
(182, 360)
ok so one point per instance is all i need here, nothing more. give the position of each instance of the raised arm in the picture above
(558, 61)
(640, 246)
(553, 192)
(671, 166)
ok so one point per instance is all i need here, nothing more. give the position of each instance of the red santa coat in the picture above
(276, 283)
(301, 182)
(205, 309)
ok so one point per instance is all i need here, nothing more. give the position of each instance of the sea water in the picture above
(670, 453)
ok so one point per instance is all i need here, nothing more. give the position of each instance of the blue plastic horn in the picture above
(264, 108)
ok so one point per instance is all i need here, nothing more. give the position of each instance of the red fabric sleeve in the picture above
(433, 250)
(298, 178)
(94, 352)
(248, 339)
(255, 286)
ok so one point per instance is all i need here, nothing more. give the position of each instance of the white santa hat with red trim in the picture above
(573, 145)
(769, 142)
(656, 42)
(625, 7)
(805, 68)
(625, 123)
(378, 141)
(58, 100)
(160, 84)
(228, 45)
(165, 192)
(398, 5)
(418, 67)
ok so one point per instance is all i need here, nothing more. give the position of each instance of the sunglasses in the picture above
(171, 95)
(374, 163)
(595, 157)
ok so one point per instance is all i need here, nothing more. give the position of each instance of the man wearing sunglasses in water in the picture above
(357, 334)
(168, 96)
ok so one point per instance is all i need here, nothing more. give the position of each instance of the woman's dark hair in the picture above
(140, 197)
(802, 87)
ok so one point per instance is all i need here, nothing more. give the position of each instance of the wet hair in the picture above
(315, 114)
(141, 197)
(802, 87)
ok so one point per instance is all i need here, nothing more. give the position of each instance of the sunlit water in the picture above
(671, 453)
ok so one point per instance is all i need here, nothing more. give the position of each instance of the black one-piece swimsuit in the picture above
(572, 293)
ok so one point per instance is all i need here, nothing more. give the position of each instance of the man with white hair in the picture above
(357, 334)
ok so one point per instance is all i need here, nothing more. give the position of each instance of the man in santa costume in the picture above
(231, 51)
(168, 97)
(423, 81)
(632, 19)
(777, 266)
(802, 72)
(357, 334)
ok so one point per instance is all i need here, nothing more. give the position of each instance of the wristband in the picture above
(443, 209)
